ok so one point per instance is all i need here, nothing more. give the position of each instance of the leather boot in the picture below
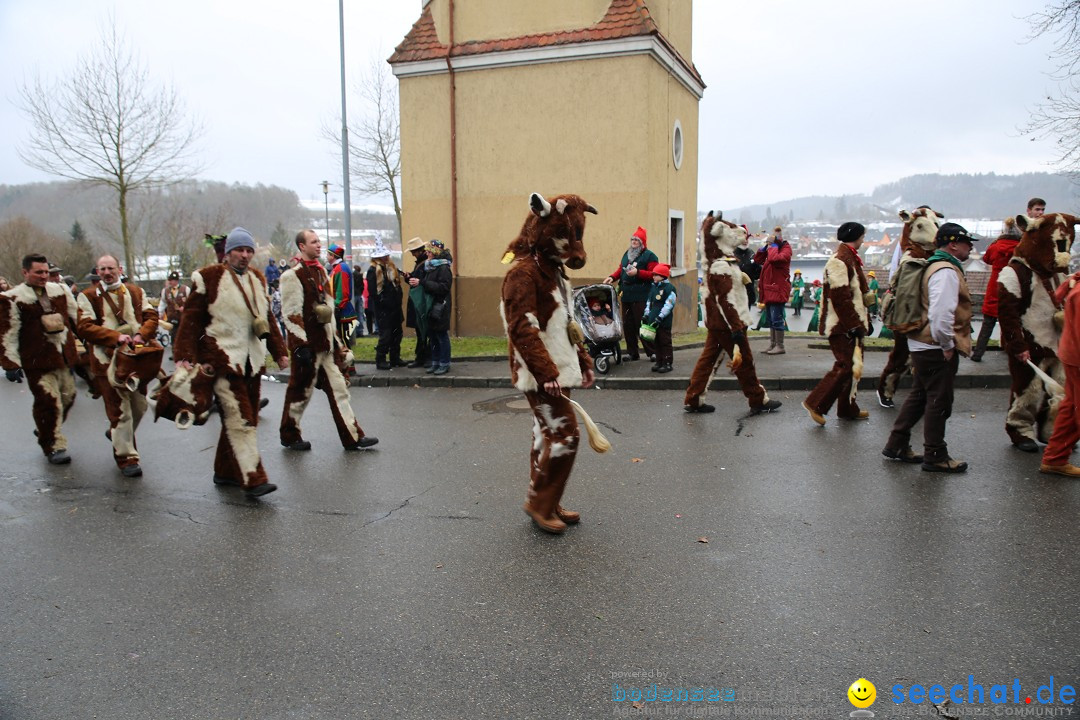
(380, 363)
(778, 348)
(772, 342)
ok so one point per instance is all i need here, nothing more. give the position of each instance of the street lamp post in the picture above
(326, 204)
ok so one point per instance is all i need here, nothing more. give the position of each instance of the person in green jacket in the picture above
(813, 325)
(634, 274)
(658, 311)
(876, 289)
(797, 294)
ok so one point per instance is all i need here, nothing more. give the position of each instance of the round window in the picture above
(677, 145)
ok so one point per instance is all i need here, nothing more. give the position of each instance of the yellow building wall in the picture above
(499, 19)
(599, 128)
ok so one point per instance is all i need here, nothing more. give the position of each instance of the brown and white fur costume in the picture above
(302, 288)
(727, 316)
(216, 330)
(44, 357)
(1026, 311)
(916, 241)
(99, 328)
(844, 311)
(536, 311)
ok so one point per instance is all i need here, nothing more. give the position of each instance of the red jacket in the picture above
(775, 281)
(996, 256)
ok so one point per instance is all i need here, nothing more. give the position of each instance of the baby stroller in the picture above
(596, 307)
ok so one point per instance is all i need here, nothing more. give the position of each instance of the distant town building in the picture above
(593, 97)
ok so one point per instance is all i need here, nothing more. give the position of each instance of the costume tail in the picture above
(856, 370)
(597, 441)
(736, 360)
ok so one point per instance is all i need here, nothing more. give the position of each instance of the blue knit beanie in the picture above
(238, 238)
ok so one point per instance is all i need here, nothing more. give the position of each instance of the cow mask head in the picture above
(920, 229)
(554, 230)
(720, 237)
(1047, 241)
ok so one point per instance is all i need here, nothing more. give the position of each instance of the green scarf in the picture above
(940, 254)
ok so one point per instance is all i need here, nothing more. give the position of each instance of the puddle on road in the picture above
(503, 404)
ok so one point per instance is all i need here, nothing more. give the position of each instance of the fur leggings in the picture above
(717, 343)
(895, 366)
(835, 387)
(323, 373)
(237, 450)
(54, 394)
(1032, 409)
(554, 448)
(125, 410)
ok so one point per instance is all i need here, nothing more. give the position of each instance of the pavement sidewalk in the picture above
(807, 360)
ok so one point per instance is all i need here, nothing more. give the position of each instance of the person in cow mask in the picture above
(547, 356)
(635, 274)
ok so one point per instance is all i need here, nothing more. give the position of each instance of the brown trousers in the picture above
(895, 366)
(237, 450)
(931, 401)
(718, 342)
(302, 383)
(125, 410)
(835, 387)
(54, 394)
(554, 448)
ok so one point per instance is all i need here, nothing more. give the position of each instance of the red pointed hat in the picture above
(640, 235)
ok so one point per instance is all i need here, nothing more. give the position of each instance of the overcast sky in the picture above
(803, 98)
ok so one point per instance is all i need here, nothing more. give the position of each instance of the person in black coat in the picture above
(416, 314)
(438, 279)
(384, 296)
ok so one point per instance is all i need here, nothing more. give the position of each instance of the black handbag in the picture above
(438, 310)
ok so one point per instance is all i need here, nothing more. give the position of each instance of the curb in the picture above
(718, 384)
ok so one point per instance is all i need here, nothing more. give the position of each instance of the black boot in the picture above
(380, 363)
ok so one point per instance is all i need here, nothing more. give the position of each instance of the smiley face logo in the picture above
(862, 693)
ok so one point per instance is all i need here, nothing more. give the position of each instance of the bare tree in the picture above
(107, 123)
(374, 139)
(1058, 116)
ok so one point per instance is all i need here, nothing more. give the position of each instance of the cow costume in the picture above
(105, 315)
(727, 316)
(307, 308)
(845, 320)
(916, 242)
(546, 354)
(227, 327)
(1031, 322)
(43, 352)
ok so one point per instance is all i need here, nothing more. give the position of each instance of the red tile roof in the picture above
(624, 18)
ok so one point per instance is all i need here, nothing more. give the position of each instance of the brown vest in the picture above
(962, 318)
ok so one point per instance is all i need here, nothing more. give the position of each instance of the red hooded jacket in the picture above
(996, 256)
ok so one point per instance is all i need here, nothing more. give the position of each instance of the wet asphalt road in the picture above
(407, 582)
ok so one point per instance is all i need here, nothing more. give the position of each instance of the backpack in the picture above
(901, 308)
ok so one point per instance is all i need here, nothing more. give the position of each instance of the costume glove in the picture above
(15, 376)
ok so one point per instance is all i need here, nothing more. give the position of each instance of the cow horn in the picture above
(591, 209)
(539, 205)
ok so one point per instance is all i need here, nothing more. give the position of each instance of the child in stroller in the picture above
(597, 309)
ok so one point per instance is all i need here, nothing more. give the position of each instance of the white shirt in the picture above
(944, 287)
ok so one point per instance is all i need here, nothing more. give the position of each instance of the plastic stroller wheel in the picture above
(601, 365)
(164, 339)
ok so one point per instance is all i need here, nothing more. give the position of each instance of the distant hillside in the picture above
(968, 196)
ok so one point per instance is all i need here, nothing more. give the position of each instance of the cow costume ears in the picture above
(539, 205)
(542, 207)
